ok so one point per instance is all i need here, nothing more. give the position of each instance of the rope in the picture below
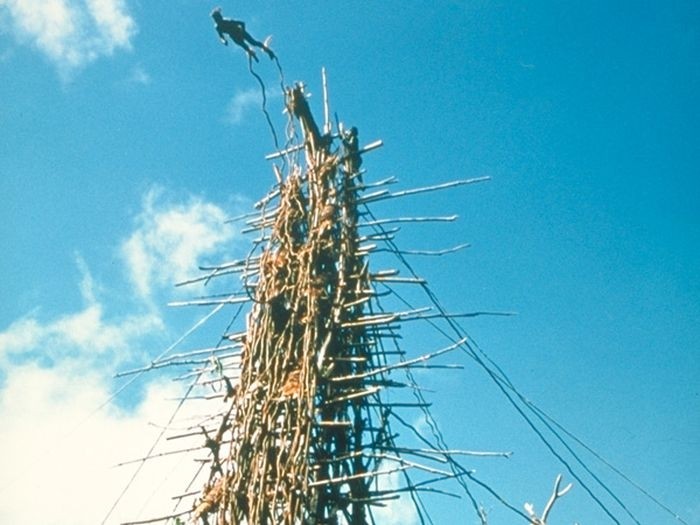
(460, 332)
(455, 467)
(264, 100)
(194, 327)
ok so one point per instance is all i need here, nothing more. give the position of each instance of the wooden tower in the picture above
(306, 424)
(305, 436)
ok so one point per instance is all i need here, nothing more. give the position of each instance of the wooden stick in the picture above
(384, 273)
(353, 395)
(371, 146)
(453, 452)
(363, 250)
(371, 320)
(379, 222)
(426, 252)
(266, 218)
(192, 353)
(382, 182)
(278, 174)
(210, 302)
(232, 264)
(201, 398)
(373, 196)
(278, 154)
(159, 455)
(413, 464)
(436, 187)
(334, 423)
(383, 236)
(375, 500)
(241, 217)
(267, 198)
(186, 494)
(344, 479)
(405, 280)
(456, 316)
(402, 364)
(556, 494)
(326, 119)
(197, 432)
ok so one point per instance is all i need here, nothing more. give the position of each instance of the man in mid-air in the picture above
(235, 29)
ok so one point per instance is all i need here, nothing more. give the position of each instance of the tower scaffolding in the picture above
(308, 431)
(315, 381)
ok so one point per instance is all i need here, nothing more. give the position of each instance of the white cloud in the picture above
(246, 100)
(87, 283)
(170, 238)
(112, 22)
(22, 334)
(58, 455)
(399, 511)
(83, 335)
(139, 76)
(60, 437)
(71, 33)
(241, 103)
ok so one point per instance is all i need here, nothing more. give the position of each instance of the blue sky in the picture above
(129, 134)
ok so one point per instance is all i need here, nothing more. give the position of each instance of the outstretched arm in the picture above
(222, 37)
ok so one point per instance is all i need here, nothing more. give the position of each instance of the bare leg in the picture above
(247, 48)
(259, 44)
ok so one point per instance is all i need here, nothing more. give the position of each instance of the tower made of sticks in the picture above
(306, 426)
(306, 434)
(299, 418)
